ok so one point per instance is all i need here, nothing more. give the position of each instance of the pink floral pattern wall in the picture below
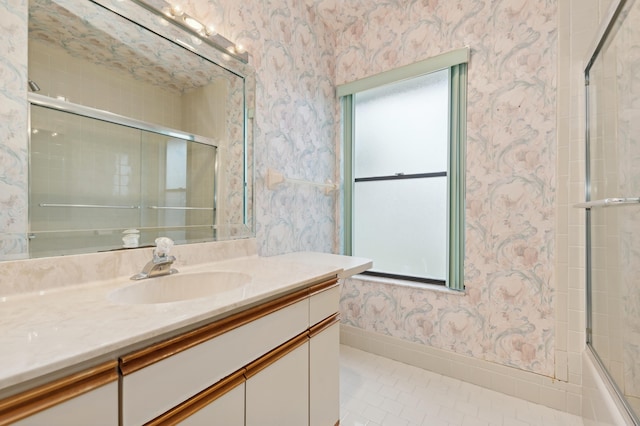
(296, 124)
(13, 130)
(507, 313)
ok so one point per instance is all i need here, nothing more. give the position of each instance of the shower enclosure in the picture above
(612, 81)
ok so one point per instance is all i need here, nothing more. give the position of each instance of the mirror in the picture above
(137, 125)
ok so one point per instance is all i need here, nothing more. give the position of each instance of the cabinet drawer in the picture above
(324, 303)
(150, 391)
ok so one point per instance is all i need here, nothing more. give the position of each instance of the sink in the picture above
(180, 287)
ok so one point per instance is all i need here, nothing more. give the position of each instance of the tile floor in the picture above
(376, 391)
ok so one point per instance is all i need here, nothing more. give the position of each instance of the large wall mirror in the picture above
(138, 126)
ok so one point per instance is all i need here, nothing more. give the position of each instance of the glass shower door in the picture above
(613, 207)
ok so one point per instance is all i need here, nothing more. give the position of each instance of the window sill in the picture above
(409, 284)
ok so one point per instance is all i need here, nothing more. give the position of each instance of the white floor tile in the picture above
(376, 391)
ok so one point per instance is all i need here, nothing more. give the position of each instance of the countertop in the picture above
(43, 332)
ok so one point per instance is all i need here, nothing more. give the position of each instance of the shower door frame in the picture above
(601, 38)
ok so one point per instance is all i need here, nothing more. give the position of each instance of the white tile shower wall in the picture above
(578, 23)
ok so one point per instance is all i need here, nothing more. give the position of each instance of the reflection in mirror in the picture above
(90, 177)
(94, 56)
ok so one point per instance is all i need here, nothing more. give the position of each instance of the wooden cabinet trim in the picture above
(199, 401)
(154, 353)
(266, 360)
(324, 324)
(30, 402)
(318, 288)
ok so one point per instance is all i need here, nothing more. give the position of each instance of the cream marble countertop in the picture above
(43, 332)
(349, 265)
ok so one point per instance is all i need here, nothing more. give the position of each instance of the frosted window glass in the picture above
(402, 127)
(402, 226)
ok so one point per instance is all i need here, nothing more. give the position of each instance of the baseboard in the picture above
(508, 380)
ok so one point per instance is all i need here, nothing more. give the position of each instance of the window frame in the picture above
(456, 61)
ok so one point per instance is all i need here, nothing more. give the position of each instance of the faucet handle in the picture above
(163, 247)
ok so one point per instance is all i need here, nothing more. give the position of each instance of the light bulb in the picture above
(177, 10)
(194, 24)
(210, 30)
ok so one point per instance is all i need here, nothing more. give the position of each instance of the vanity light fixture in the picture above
(174, 12)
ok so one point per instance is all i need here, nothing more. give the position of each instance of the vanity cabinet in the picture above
(254, 367)
(274, 363)
(87, 397)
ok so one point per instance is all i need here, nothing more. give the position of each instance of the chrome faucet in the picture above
(161, 262)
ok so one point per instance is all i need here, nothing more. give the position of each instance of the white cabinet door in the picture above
(279, 394)
(324, 376)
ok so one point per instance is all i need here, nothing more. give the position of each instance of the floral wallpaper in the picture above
(507, 312)
(13, 130)
(106, 39)
(296, 124)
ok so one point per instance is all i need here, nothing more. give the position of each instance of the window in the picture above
(404, 136)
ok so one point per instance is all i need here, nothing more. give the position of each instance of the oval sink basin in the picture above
(180, 287)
